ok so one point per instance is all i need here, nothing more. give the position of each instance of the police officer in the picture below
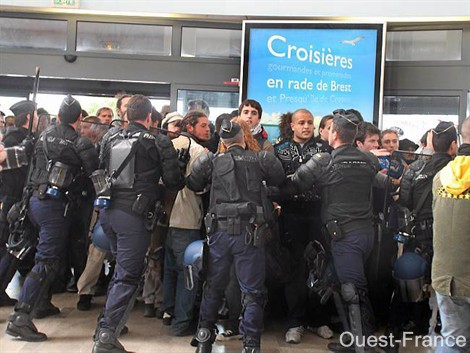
(234, 224)
(346, 178)
(142, 158)
(416, 196)
(60, 155)
(11, 190)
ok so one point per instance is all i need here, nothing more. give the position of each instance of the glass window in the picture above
(7, 101)
(218, 102)
(415, 115)
(442, 45)
(211, 43)
(33, 34)
(124, 38)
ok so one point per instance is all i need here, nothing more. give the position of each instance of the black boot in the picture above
(45, 308)
(251, 345)
(204, 337)
(5, 300)
(106, 342)
(84, 302)
(20, 325)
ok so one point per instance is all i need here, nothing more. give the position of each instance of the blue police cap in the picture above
(70, 110)
(229, 129)
(22, 107)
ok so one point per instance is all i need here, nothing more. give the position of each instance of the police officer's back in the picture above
(134, 161)
(60, 155)
(416, 219)
(416, 185)
(11, 190)
(234, 223)
(346, 178)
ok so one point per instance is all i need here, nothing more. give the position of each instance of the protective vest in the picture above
(416, 185)
(236, 185)
(121, 165)
(347, 188)
(57, 158)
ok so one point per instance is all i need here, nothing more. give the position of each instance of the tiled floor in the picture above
(71, 332)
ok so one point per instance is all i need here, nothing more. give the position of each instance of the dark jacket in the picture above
(236, 177)
(292, 155)
(61, 143)
(346, 178)
(155, 158)
(417, 182)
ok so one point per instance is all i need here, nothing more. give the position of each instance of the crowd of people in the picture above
(349, 230)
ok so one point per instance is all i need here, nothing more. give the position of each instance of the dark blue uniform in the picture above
(58, 145)
(124, 221)
(11, 190)
(235, 199)
(346, 178)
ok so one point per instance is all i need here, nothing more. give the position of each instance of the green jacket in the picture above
(451, 211)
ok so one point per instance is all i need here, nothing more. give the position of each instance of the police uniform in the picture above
(124, 222)
(235, 204)
(346, 178)
(11, 190)
(416, 196)
(60, 152)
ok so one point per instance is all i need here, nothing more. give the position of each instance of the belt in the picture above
(35, 193)
(231, 227)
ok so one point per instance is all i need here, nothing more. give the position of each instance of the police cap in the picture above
(229, 129)
(22, 107)
(346, 118)
(69, 110)
(444, 126)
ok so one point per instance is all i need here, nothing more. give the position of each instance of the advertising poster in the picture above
(318, 66)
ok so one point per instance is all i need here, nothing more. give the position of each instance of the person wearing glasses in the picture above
(345, 178)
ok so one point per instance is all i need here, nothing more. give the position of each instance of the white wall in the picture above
(284, 8)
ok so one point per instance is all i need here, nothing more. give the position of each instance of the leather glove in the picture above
(183, 158)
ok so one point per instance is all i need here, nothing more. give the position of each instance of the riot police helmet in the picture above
(99, 238)
(409, 274)
(193, 261)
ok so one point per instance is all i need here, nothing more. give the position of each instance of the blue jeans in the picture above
(455, 318)
(177, 300)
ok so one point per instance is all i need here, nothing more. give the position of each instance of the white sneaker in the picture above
(228, 335)
(294, 334)
(323, 331)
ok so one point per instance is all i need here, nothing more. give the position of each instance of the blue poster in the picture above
(321, 69)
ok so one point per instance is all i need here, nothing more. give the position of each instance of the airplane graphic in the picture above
(352, 41)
